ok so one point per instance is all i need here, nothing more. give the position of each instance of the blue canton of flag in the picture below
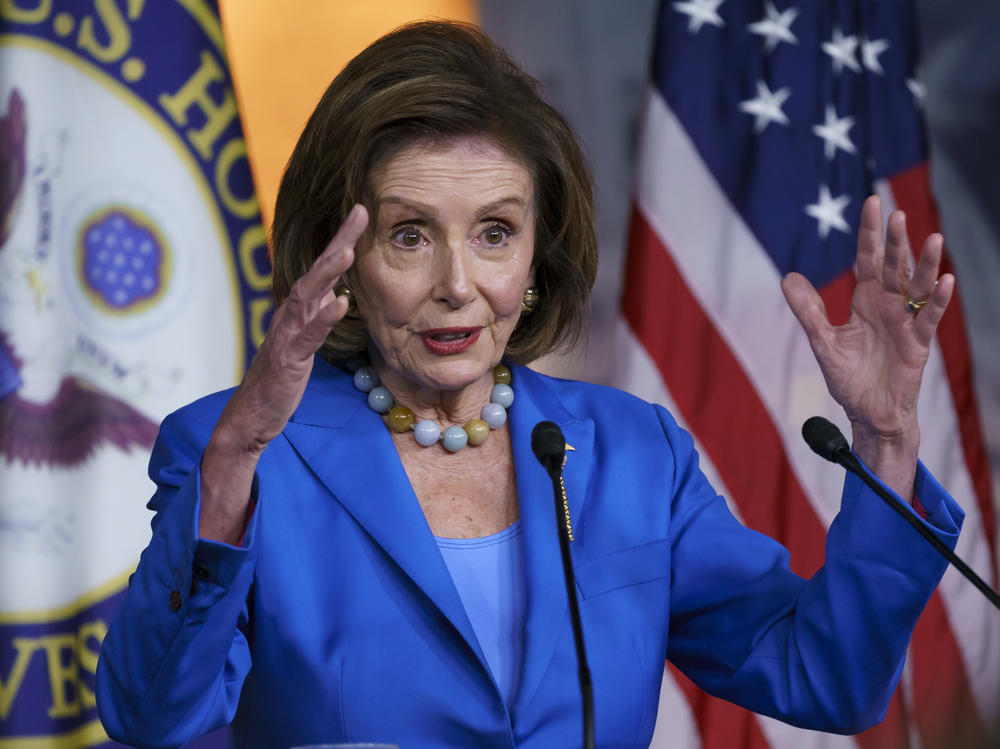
(796, 136)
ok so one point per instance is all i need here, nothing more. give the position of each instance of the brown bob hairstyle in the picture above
(433, 81)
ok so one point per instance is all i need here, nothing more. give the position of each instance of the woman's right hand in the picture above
(273, 386)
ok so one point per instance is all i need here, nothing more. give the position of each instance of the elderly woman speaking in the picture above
(357, 543)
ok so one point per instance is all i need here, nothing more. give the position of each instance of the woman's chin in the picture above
(454, 373)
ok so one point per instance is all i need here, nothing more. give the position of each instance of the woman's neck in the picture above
(443, 406)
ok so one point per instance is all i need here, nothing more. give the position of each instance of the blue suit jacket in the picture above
(338, 619)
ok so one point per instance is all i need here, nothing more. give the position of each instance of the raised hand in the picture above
(873, 363)
(274, 384)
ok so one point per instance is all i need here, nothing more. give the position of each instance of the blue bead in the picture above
(365, 379)
(454, 439)
(380, 400)
(494, 414)
(426, 432)
(502, 394)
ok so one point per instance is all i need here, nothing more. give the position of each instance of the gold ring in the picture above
(915, 305)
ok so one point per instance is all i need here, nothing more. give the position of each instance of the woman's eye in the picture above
(496, 234)
(407, 237)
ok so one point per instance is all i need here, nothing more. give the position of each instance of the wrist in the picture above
(891, 456)
(227, 470)
(232, 446)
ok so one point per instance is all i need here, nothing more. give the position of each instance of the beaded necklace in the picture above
(401, 419)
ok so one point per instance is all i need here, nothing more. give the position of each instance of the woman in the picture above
(322, 572)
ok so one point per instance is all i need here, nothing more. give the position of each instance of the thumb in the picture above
(807, 306)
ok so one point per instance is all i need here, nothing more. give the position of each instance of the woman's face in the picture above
(440, 286)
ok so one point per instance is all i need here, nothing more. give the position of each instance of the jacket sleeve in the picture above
(173, 662)
(824, 653)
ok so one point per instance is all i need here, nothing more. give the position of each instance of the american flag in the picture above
(766, 125)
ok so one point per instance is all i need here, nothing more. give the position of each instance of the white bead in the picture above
(380, 400)
(502, 394)
(365, 379)
(494, 414)
(426, 432)
(454, 439)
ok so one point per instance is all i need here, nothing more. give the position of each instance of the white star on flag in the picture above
(700, 12)
(775, 27)
(842, 51)
(766, 106)
(917, 89)
(829, 212)
(870, 50)
(834, 133)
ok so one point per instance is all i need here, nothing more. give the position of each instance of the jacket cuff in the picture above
(944, 516)
(217, 561)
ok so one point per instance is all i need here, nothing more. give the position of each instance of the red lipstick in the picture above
(444, 341)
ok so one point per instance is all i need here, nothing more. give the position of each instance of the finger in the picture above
(295, 334)
(870, 251)
(337, 257)
(317, 329)
(926, 274)
(808, 308)
(898, 258)
(926, 323)
(313, 291)
(351, 230)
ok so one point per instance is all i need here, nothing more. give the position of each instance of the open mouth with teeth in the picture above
(450, 341)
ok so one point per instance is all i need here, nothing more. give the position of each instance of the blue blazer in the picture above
(337, 619)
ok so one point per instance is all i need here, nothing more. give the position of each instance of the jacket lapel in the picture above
(351, 451)
(349, 448)
(547, 608)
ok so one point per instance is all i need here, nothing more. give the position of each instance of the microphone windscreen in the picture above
(548, 444)
(824, 438)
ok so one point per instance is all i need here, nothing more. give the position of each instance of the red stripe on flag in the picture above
(944, 709)
(721, 724)
(717, 400)
(836, 295)
(721, 406)
(891, 733)
(911, 189)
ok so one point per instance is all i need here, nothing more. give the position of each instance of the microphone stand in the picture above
(550, 450)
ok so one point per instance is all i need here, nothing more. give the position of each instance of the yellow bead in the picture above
(400, 419)
(478, 430)
(501, 375)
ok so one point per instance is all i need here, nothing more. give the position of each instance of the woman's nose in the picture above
(453, 286)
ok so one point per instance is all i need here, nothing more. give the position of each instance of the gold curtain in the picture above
(284, 53)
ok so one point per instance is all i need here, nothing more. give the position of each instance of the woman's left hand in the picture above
(873, 363)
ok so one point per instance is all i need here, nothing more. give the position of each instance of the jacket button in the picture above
(175, 600)
(201, 573)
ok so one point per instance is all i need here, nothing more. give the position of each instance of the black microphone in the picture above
(549, 446)
(826, 440)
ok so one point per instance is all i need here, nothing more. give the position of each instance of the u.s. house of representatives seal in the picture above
(133, 279)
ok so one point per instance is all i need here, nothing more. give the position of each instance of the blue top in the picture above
(488, 574)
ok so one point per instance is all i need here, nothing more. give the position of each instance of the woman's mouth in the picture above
(444, 341)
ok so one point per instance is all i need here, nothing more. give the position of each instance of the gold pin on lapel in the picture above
(562, 488)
